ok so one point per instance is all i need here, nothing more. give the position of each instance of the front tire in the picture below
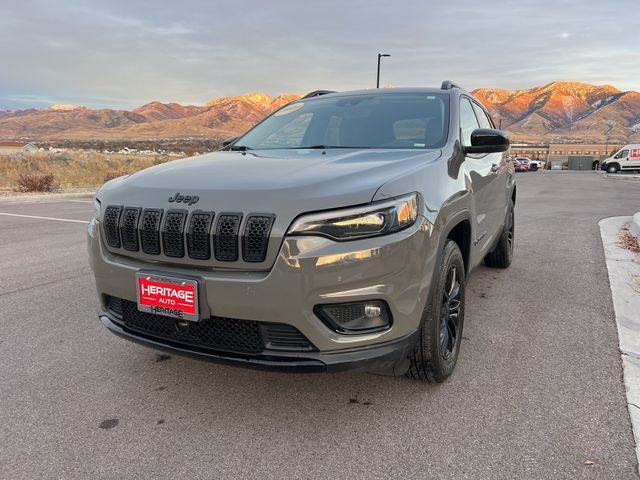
(436, 352)
(612, 169)
(502, 255)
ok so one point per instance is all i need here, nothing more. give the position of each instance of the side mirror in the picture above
(228, 141)
(487, 140)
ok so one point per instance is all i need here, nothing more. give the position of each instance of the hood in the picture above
(284, 182)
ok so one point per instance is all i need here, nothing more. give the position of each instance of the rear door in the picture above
(483, 179)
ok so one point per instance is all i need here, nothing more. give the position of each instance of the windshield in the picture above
(397, 120)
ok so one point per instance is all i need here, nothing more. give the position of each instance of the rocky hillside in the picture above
(219, 118)
(557, 112)
(566, 112)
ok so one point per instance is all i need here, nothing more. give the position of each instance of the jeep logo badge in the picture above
(188, 199)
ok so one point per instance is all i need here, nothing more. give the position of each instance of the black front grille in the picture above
(178, 233)
(215, 333)
(226, 237)
(150, 231)
(256, 237)
(129, 228)
(198, 238)
(112, 225)
(173, 233)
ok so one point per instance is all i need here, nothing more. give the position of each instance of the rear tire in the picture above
(436, 352)
(502, 255)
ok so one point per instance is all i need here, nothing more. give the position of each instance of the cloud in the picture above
(124, 53)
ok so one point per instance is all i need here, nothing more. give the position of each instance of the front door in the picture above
(482, 170)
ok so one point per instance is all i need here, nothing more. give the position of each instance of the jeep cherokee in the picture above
(336, 234)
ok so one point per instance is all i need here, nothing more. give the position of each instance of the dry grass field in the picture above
(46, 171)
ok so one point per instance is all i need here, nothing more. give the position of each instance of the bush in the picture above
(35, 182)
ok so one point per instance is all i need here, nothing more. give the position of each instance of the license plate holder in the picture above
(167, 295)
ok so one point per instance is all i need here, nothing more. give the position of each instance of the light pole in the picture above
(610, 125)
(380, 55)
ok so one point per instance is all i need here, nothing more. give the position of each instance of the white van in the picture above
(627, 158)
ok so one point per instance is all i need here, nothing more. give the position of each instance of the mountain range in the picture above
(566, 112)
(558, 112)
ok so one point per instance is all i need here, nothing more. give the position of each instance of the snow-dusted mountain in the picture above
(565, 111)
(558, 112)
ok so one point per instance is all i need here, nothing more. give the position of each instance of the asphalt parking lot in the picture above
(537, 393)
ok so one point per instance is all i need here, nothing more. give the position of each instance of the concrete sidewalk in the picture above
(624, 278)
(47, 197)
(622, 176)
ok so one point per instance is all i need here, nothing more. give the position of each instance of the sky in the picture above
(125, 53)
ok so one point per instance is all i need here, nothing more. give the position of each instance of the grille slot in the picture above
(198, 239)
(173, 233)
(226, 237)
(111, 225)
(150, 231)
(129, 228)
(286, 337)
(113, 305)
(256, 237)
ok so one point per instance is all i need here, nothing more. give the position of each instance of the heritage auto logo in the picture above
(164, 298)
(188, 199)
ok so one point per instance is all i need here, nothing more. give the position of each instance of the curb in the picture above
(634, 226)
(617, 176)
(623, 268)
(47, 197)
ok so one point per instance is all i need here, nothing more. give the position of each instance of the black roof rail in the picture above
(317, 93)
(448, 85)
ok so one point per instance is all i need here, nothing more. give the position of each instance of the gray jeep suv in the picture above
(336, 234)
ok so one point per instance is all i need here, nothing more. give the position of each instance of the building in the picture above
(574, 156)
(15, 147)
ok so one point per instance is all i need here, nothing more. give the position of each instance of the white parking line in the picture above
(43, 218)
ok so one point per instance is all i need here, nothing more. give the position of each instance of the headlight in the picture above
(380, 218)
(96, 207)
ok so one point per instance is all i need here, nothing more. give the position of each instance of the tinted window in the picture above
(468, 121)
(482, 116)
(415, 121)
(622, 154)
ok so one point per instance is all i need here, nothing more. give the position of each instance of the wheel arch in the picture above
(457, 227)
(460, 232)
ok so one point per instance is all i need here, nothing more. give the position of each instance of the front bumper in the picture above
(308, 271)
(390, 358)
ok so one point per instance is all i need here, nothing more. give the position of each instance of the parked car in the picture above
(336, 234)
(538, 163)
(627, 158)
(519, 165)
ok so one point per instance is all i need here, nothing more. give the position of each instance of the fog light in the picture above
(355, 317)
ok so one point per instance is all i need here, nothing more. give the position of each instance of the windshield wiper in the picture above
(323, 147)
(240, 148)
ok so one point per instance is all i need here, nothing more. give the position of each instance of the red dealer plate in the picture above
(169, 296)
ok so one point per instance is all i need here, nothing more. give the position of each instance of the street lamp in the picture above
(380, 55)
(610, 125)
